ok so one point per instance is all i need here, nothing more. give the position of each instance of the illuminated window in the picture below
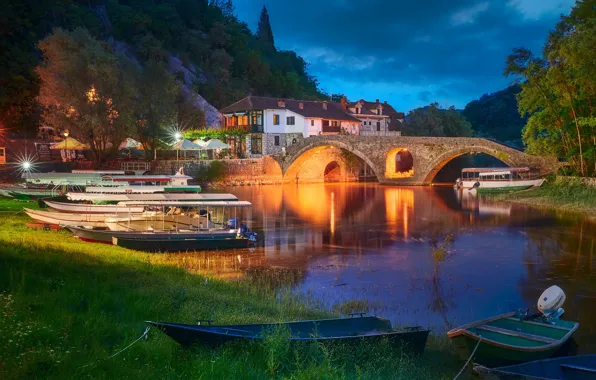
(256, 144)
(275, 119)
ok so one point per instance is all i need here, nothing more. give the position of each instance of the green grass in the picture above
(65, 304)
(560, 194)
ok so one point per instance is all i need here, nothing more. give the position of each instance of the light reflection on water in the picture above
(368, 242)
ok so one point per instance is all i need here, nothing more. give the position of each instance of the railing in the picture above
(380, 133)
(330, 129)
(136, 166)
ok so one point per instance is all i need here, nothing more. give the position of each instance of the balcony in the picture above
(330, 129)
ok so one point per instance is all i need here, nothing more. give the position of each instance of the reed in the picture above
(66, 306)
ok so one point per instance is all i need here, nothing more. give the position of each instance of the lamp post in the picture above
(66, 144)
(177, 136)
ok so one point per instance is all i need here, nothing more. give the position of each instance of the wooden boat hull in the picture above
(78, 219)
(157, 223)
(93, 208)
(106, 236)
(506, 340)
(504, 185)
(141, 189)
(181, 244)
(328, 331)
(582, 367)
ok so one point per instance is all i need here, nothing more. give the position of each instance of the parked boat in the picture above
(86, 208)
(338, 330)
(106, 236)
(202, 241)
(86, 220)
(513, 338)
(581, 367)
(498, 179)
(117, 198)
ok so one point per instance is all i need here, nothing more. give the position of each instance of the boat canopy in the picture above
(188, 204)
(144, 178)
(151, 197)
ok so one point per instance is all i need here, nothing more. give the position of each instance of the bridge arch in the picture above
(299, 158)
(399, 163)
(437, 164)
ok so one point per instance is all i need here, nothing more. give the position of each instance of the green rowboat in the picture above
(507, 340)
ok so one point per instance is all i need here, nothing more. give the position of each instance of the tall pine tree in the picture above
(264, 32)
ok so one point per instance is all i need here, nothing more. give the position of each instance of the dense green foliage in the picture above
(214, 171)
(264, 32)
(433, 120)
(228, 60)
(559, 90)
(495, 116)
(68, 305)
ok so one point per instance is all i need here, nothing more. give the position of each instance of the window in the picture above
(335, 123)
(378, 125)
(276, 140)
(256, 144)
(290, 120)
(312, 123)
(275, 119)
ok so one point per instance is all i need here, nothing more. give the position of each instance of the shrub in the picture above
(215, 171)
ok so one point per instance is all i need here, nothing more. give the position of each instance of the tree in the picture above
(559, 90)
(83, 88)
(264, 32)
(155, 109)
(433, 120)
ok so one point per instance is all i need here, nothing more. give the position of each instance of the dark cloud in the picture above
(445, 51)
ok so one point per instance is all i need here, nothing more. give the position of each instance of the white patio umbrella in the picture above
(130, 143)
(215, 144)
(185, 145)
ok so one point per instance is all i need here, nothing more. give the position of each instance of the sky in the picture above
(408, 52)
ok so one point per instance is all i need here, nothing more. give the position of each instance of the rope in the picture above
(468, 361)
(125, 348)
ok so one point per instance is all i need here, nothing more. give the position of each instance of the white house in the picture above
(277, 123)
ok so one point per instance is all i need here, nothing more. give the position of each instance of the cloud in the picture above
(408, 52)
(468, 15)
(534, 9)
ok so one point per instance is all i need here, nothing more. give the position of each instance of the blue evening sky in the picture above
(410, 53)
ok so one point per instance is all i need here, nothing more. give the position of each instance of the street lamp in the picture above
(66, 144)
(177, 137)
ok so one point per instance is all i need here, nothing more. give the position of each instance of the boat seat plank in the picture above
(498, 330)
(578, 368)
(542, 324)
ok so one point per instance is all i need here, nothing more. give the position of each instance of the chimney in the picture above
(301, 105)
(377, 101)
(344, 103)
(324, 105)
(281, 103)
(385, 102)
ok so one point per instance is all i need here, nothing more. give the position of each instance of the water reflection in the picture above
(338, 242)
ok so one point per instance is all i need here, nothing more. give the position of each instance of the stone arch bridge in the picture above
(312, 156)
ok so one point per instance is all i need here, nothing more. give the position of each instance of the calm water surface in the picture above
(344, 242)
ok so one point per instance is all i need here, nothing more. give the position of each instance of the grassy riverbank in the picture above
(559, 194)
(66, 306)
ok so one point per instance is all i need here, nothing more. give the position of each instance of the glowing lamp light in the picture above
(26, 165)
(65, 133)
(177, 136)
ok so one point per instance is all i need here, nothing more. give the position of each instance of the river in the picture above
(374, 244)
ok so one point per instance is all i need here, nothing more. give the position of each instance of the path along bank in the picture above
(66, 306)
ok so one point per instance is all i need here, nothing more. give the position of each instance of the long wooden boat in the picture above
(338, 330)
(86, 208)
(207, 241)
(106, 236)
(116, 198)
(582, 367)
(86, 220)
(506, 339)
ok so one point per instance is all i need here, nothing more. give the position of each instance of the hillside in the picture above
(212, 52)
(496, 116)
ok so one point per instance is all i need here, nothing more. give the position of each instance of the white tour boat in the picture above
(498, 179)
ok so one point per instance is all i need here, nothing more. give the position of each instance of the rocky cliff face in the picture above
(190, 73)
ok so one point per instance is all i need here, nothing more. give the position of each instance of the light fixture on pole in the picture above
(66, 144)
(177, 137)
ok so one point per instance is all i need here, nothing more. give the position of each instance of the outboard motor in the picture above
(550, 302)
(233, 223)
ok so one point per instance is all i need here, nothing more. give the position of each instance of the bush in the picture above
(216, 171)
